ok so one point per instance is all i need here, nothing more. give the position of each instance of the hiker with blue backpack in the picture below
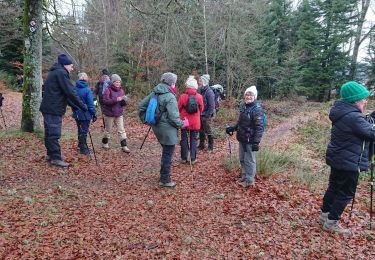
(83, 118)
(207, 113)
(190, 105)
(250, 128)
(114, 101)
(166, 124)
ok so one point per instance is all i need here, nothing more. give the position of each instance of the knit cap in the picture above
(205, 79)
(64, 59)
(169, 78)
(104, 72)
(115, 77)
(352, 91)
(252, 89)
(191, 82)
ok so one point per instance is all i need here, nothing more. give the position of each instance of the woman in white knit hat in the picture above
(190, 105)
(249, 129)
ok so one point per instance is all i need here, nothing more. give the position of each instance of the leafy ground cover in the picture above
(117, 210)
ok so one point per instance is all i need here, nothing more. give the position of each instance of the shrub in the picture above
(270, 161)
(9, 80)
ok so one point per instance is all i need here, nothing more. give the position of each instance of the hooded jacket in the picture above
(350, 133)
(194, 119)
(85, 95)
(166, 130)
(58, 92)
(250, 124)
(112, 107)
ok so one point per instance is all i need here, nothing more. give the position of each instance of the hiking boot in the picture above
(124, 146)
(105, 144)
(170, 184)
(201, 141)
(334, 227)
(246, 184)
(183, 161)
(194, 162)
(82, 144)
(322, 218)
(59, 163)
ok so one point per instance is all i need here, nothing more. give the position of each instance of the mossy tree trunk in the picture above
(32, 65)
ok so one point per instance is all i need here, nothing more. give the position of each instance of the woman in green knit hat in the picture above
(347, 153)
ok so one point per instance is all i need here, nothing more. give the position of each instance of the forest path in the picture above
(117, 210)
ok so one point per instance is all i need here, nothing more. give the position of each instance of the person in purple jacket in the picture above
(114, 101)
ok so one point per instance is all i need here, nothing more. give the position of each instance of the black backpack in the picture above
(191, 105)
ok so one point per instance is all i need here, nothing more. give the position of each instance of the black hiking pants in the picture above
(341, 189)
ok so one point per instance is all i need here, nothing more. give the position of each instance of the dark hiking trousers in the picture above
(341, 189)
(188, 142)
(166, 162)
(52, 134)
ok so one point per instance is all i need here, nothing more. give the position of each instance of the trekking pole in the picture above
(140, 148)
(93, 148)
(372, 182)
(351, 208)
(92, 143)
(2, 115)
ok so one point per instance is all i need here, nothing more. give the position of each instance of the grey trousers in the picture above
(248, 163)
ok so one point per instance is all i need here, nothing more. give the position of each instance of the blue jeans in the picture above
(185, 144)
(341, 189)
(52, 134)
(166, 162)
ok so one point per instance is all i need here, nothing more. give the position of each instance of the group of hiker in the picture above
(347, 152)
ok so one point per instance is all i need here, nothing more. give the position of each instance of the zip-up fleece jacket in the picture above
(350, 136)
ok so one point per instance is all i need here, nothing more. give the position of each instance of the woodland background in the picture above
(284, 47)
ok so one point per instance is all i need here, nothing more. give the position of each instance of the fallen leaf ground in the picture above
(117, 210)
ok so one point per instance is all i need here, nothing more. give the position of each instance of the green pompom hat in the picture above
(352, 91)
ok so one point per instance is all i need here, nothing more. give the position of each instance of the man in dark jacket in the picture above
(208, 112)
(58, 92)
(347, 153)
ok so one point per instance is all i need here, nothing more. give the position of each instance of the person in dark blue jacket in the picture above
(58, 92)
(207, 113)
(83, 118)
(347, 153)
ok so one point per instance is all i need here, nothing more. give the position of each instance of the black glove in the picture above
(373, 115)
(122, 103)
(230, 129)
(255, 147)
(94, 118)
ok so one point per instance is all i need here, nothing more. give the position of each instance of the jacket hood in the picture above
(191, 91)
(340, 109)
(115, 88)
(57, 66)
(162, 88)
(82, 84)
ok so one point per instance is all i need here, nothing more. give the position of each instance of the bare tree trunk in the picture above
(358, 35)
(105, 35)
(205, 35)
(32, 68)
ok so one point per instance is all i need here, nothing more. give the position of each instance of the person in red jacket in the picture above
(190, 105)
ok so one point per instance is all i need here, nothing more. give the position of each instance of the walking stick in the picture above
(140, 148)
(93, 148)
(92, 143)
(5, 125)
(372, 181)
